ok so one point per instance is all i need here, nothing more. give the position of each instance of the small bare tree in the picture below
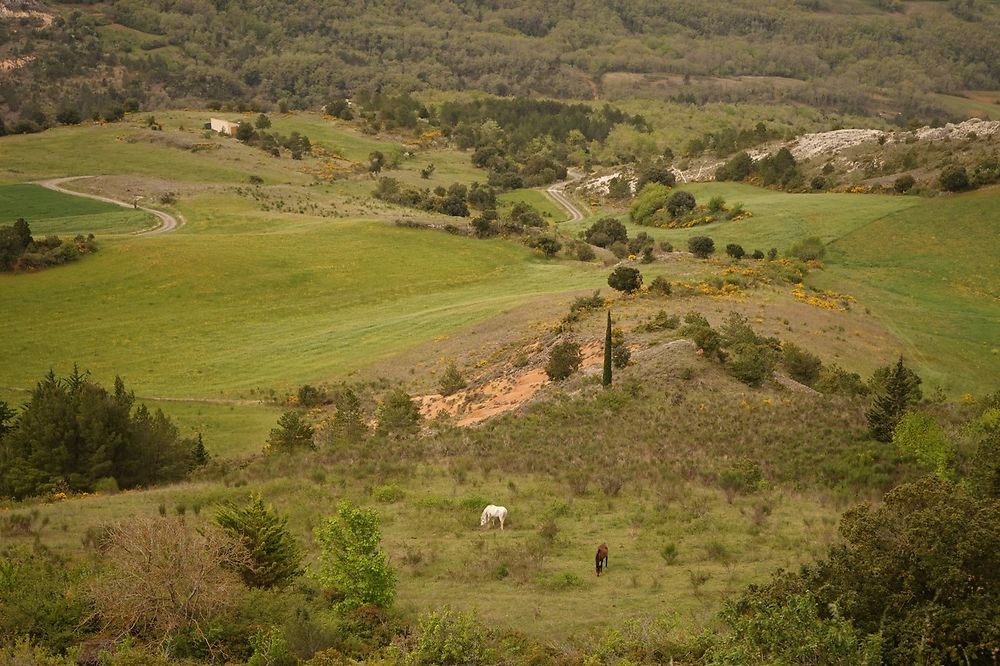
(163, 576)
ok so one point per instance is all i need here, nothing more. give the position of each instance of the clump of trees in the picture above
(295, 143)
(20, 251)
(453, 200)
(779, 169)
(74, 433)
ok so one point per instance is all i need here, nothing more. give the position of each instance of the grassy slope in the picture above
(924, 267)
(931, 273)
(50, 212)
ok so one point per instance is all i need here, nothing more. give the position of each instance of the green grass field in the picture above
(51, 212)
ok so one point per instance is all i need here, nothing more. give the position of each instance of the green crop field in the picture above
(51, 212)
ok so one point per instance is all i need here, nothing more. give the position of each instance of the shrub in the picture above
(917, 434)
(564, 360)
(801, 365)
(584, 252)
(620, 354)
(388, 494)
(660, 286)
(37, 602)
(584, 304)
(310, 396)
(398, 415)
(625, 279)
(452, 380)
(744, 477)
(700, 331)
(669, 552)
(351, 561)
(834, 379)
(165, 579)
(680, 203)
(293, 432)
(751, 363)
(640, 243)
(619, 249)
(735, 251)
(954, 179)
(348, 421)
(650, 199)
(904, 184)
(275, 557)
(658, 171)
(548, 245)
(817, 183)
(808, 249)
(716, 204)
(606, 231)
(661, 321)
(447, 638)
(701, 246)
(270, 649)
(758, 254)
(739, 167)
(106, 486)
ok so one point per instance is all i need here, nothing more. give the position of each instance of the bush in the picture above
(584, 252)
(701, 246)
(164, 579)
(620, 354)
(739, 167)
(954, 179)
(310, 396)
(650, 199)
(757, 255)
(625, 279)
(750, 363)
(564, 360)
(661, 321)
(388, 494)
(802, 366)
(744, 477)
(606, 231)
(37, 602)
(351, 563)
(680, 203)
(735, 251)
(547, 244)
(275, 557)
(398, 414)
(808, 249)
(702, 334)
(452, 380)
(904, 184)
(446, 638)
(293, 432)
(834, 379)
(660, 286)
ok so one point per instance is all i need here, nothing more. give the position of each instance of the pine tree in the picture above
(275, 555)
(606, 381)
(901, 391)
(199, 454)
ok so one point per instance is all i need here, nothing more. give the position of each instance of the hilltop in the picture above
(901, 60)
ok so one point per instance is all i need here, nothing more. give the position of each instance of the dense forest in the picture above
(857, 56)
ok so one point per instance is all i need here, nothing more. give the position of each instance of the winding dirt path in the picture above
(167, 224)
(557, 192)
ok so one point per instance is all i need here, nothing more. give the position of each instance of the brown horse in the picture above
(601, 559)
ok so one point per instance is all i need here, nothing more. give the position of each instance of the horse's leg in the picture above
(501, 523)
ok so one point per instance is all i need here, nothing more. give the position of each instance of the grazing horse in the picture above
(491, 512)
(601, 559)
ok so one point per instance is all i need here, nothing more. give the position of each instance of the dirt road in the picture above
(167, 224)
(557, 192)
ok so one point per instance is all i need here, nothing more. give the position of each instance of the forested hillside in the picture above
(864, 56)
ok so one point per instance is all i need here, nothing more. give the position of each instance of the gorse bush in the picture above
(701, 246)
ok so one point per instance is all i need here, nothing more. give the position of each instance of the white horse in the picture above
(491, 512)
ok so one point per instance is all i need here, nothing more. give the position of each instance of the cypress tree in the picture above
(606, 381)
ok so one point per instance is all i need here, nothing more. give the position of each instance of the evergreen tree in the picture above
(199, 454)
(606, 381)
(275, 555)
(292, 432)
(349, 421)
(900, 392)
